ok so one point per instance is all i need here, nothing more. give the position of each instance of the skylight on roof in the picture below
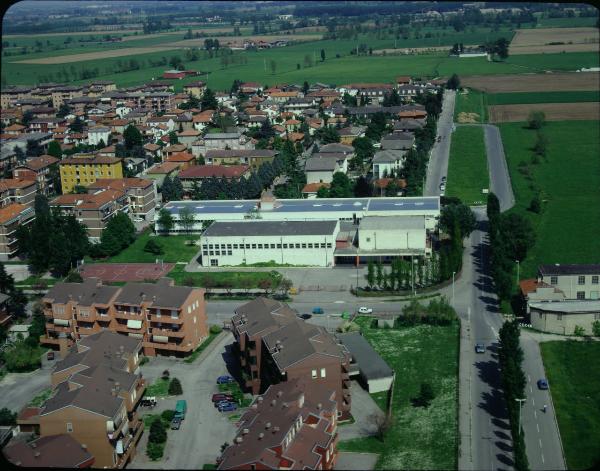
(199, 207)
(357, 203)
(419, 203)
(239, 206)
(398, 204)
(317, 205)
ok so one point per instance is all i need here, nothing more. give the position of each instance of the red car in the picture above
(221, 397)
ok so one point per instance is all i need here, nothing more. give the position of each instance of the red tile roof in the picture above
(314, 187)
(219, 171)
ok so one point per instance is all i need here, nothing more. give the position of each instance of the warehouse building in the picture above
(233, 243)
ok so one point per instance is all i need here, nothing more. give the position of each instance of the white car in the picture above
(365, 310)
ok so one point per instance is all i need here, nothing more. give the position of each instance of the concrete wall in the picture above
(399, 239)
(569, 284)
(380, 384)
(319, 177)
(562, 323)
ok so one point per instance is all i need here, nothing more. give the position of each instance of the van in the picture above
(180, 409)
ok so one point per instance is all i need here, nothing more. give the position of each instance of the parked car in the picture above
(218, 397)
(175, 423)
(225, 379)
(50, 355)
(444, 178)
(365, 310)
(317, 310)
(305, 316)
(180, 409)
(228, 407)
(149, 401)
(442, 186)
(542, 383)
(479, 348)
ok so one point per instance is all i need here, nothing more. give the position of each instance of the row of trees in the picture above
(510, 357)
(437, 312)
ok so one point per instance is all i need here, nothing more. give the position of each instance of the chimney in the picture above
(275, 429)
(83, 446)
(279, 393)
(260, 399)
(239, 439)
(285, 404)
(319, 405)
(37, 454)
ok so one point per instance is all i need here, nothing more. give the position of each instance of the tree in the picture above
(73, 277)
(209, 100)
(341, 186)
(535, 205)
(186, 219)
(460, 213)
(426, 395)
(132, 137)
(541, 145)
(596, 328)
(380, 275)
(54, 149)
(7, 417)
(382, 424)
(118, 234)
(165, 221)
(63, 110)
(305, 87)
(19, 154)
(493, 206)
(265, 284)
(285, 285)
(153, 247)
(578, 331)
(33, 149)
(76, 125)
(370, 276)
(175, 388)
(536, 119)
(158, 432)
(322, 55)
(453, 82)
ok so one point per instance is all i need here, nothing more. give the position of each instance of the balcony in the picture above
(169, 346)
(48, 340)
(168, 333)
(89, 317)
(87, 330)
(166, 319)
(123, 328)
(58, 328)
(129, 315)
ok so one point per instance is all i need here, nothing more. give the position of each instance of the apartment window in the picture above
(285, 246)
(228, 246)
(278, 246)
(298, 246)
(303, 246)
(595, 279)
(310, 246)
(253, 246)
(314, 374)
(581, 280)
(580, 294)
(597, 317)
(214, 263)
(69, 427)
(260, 246)
(322, 245)
(559, 317)
(554, 280)
(272, 246)
(229, 252)
(323, 372)
(235, 246)
(328, 245)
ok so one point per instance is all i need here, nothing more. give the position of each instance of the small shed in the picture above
(374, 372)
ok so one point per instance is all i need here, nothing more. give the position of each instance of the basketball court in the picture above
(109, 272)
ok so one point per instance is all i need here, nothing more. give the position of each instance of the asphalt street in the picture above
(499, 177)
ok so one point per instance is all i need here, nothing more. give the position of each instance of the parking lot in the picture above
(204, 429)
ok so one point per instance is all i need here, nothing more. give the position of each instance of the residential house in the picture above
(17, 190)
(167, 319)
(195, 89)
(99, 134)
(197, 174)
(253, 157)
(159, 172)
(398, 141)
(184, 159)
(310, 190)
(320, 168)
(187, 137)
(576, 281)
(52, 451)
(387, 162)
(141, 193)
(221, 140)
(203, 119)
(83, 169)
(347, 135)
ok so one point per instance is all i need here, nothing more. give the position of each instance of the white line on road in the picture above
(538, 427)
(535, 414)
(543, 461)
(540, 442)
(529, 378)
(495, 333)
(533, 401)
(530, 389)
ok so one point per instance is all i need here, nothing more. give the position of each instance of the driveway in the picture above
(363, 408)
(347, 460)
(17, 389)
(204, 429)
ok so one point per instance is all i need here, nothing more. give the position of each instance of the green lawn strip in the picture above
(467, 167)
(159, 388)
(196, 353)
(419, 438)
(573, 370)
(543, 97)
(42, 397)
(568, 227)
(380, 399)
(470, 102)
(175, 249)
(236, 278)
(34, 281)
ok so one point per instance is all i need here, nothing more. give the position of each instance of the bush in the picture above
(348, 327)
(596, 328)
(175, 388)
(7, 417)
(215, 329)
(144, 360)
(165, 374)
(167, 415)
(153, 247)
(155, 450)
(158, 432)
(426, 395)
(23, 357)
(579, 331)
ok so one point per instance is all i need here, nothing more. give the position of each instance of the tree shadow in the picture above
(491, 304)
(505, 459)
(492, 403)
(503, 424)
(488, 372)
(502, 435)
(504, 446)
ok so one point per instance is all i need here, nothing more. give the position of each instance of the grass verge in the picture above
(573, 370)
(419, 438)
(473, 101)
(196, 353)
(42, 397)
(174, 247)
(159, 388)
(467, 167)
(515, 98)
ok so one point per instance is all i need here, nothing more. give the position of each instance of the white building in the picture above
(236, 243)
(387, 161)
(321, 167)
(393, 235)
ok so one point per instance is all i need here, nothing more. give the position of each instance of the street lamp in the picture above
(453, 273)
(520, 401)
(518, 271)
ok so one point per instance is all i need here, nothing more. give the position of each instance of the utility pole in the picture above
(520, 401)
(453, 273)
(265, 62)
(518, 271)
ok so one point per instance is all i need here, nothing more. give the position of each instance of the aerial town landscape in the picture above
(326, 235)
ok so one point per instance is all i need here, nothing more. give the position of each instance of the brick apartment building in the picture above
(274, 346)
(167, 319)
(38, 169)
(141, 193)
(97, 389)
(11, 217)
(52, 451)
(293, 425)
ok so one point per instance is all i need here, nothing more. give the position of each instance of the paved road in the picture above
(499, 177)
(17, 389)
(438, 162)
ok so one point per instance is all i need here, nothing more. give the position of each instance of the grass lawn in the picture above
(568, 227)
(196, 353)
(174, 247)
(472, 102)
(36, 281)
(514, 98)
(420, 438)
(159, 388)
(467, 167)
(573, 370)
(182, 277)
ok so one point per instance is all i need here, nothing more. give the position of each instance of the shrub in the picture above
(166, 374)
(215, 329)
(426, 395)
(535, 205)
(175, 388)
(158, 432)
(153, 247)
(154, 450)
(596, 328)
(144, 360)
(579, 331)
(7, 417)
(167, 415)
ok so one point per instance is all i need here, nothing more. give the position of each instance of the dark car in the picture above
(225, 379)
(305, 316)
(50, 355)
(221, 397)
(227, 407)
(479, 348)
(542, 383)
(175, 423)
(317, 310)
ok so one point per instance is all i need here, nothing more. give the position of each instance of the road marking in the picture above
(535, 414)
(538, 427)
(339, 302)
(494, 331)
(543, 458)
(540, 442)
(533, 401)
(529, 378)
(530, 389)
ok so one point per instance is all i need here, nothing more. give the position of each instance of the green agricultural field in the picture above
(543, 62)
(542, 97)
(467, 167)
(473, 101)
(174, 247)
(568, 227)
(419, 438)
(573, 370)
(575, 22)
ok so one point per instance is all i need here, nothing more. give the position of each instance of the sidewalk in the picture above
(465, 452)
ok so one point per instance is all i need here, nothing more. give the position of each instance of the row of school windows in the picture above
(581, 280)
(297, 245)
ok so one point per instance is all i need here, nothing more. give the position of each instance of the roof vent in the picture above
(273, 402)
(83, 446)
(268, 425)
(260, 399)
(279, 393)
(254, 406)
(37, 454)
(245, 431)
(261, 435)
(319, 405)
(33, 445)
(275, 429)
(285, 404)
(239, 439)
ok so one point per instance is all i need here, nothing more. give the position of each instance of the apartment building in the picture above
(293, 425)
(167, 319)
(17, 190)
(142, 195)
(83, 169)
(97, 387)
(11, 217)
(253, 157)
(195, 88)
(38, 169)
(52, 451)
(576, 281)
(60, 94)
(93, 210)
(275, 346)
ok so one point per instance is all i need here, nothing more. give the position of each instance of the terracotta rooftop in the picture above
(90, 160)
(314, 187)
(164, 168)
(88, 201)
(120, 183)
(180, 157)
(11, 211)
(14, 183)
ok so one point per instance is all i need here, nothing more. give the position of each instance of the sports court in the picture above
(109, 272)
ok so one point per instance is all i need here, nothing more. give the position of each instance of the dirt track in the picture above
(533, 82)
(553, 112)
(536, 41)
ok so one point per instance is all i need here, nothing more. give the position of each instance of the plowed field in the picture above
(553, 112)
